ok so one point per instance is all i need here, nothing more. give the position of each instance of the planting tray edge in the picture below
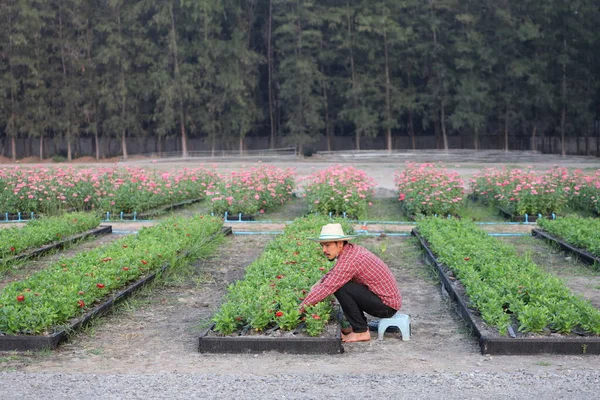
(580, 253)
(249, 344)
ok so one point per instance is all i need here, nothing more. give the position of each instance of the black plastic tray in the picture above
(509, 345)
(252, 344)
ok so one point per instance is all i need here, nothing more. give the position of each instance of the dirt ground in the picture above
(158, 330)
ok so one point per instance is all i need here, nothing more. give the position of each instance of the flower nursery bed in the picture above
(490, 340)
(51, 340)
(261, 312)
(581, 254)
(99, 231)
(292, 342)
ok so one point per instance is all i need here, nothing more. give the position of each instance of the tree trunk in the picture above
(443, 124)
(41, 146)
(124, 144)
(352, 71)
(563, 114)
(411, 130)
(587, 145)
(506, 129)
(13, 144)
(388, 91)
(270, 73)
(69, 148)
(65, 84)
(97, 143)
(327, 123)
(184, 147)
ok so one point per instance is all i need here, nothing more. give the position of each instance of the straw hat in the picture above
(332, 233)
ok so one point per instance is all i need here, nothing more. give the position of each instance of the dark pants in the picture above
(355, 300)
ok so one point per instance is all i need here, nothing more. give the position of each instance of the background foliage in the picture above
(296, 71)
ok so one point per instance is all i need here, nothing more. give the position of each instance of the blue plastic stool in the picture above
(401, 321)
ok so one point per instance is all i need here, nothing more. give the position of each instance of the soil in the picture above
(157, 330)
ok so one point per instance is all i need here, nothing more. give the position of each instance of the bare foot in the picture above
(346, 331)
(357, 337)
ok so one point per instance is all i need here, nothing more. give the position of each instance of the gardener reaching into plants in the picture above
(360, 281)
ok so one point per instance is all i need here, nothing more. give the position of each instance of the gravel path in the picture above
(514, 385)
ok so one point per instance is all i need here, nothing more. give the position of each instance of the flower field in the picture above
(51, 297)
(429, 189)
(339, 190)
(504, 287)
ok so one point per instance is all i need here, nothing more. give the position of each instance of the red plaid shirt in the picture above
(357, 264)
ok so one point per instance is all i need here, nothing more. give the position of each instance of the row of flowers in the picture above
(339, 190)
(51, 190)
(277, 282)
(51, 297)
(525, 191)
(41, 232)
(503, 286)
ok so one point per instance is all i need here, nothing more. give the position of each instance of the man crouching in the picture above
(360, 281)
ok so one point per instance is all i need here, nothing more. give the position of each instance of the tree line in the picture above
(297, 70)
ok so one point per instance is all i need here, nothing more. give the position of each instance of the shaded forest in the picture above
(297, 72)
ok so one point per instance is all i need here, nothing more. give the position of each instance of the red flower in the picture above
(315, 316)
(279, 314)
(100, 285)
(467, 258)
(144, 262)
(13, 249)
(279, 276)
(81, 303)
(322, 268)
(125, 268)
(80, 292)
(20, 298)
(106, 259)
(124, 246)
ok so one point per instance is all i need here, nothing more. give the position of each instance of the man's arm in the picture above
(329, 284)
